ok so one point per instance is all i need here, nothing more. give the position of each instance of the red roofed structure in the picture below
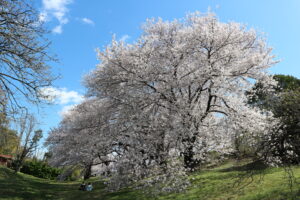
(5, 159)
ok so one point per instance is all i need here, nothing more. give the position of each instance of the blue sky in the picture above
(78, 27)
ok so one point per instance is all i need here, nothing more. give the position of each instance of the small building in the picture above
(5, 160)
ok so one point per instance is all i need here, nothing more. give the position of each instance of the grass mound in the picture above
(231, 180)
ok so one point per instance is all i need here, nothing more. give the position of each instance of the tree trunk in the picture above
(17, 166)
(87, 171)
(188, 155)
(19, 161)
(189, 161)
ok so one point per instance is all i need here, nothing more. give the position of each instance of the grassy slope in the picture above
(228, 181)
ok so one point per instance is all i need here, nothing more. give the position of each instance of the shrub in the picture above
(40, 169)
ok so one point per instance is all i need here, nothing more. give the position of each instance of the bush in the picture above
(40, 169)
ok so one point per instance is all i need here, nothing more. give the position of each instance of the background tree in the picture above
(266, 99)
(286, 82)
(23, 55)
(282, 146)
(8, 141)
(28, 140)
(8, 138)
(83, 137)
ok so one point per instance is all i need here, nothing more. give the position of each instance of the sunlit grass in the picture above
(230, 180)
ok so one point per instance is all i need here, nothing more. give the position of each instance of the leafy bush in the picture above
(72, 173)
(76, 174)
(40, 169)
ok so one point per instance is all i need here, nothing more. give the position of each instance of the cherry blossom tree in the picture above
(82, 137)
(186, 73)
(176, 95)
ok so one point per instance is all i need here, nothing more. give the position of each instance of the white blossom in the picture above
(175, 95)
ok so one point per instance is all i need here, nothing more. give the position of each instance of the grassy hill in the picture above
(231, 180)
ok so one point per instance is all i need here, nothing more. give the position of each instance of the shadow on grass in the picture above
(225, 183)
(247, 174)
(19, 186)
(125, 194)
(25, 187)
(253, 166)
(276, 194)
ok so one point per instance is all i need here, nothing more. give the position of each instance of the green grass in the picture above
(234, 181)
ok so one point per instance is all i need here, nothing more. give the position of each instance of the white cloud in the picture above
(67, 99)
(66, 110)
(88, 21)
(61, 96)
(57, 9)
(124, 38)
(57, 29)
(56, 4)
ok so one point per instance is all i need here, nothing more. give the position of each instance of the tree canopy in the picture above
(282, 146)
(23, 55)
(8, 141)
(168, 100)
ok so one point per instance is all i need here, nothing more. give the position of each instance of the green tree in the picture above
(287, 82)
(8, 141)
(8, 138)
(284, 102)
